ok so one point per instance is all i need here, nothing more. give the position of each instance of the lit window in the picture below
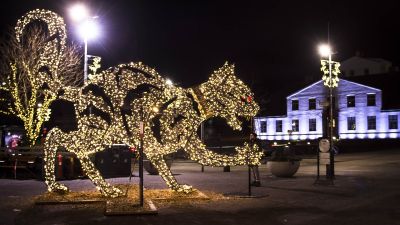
(371, 122)
(312, 124)
(295, 105)
(263, 126)
(278, 124)
(351, 123)
(393, 123)
(311, 104)
(295, 125)
(371, 100)
(351, 101)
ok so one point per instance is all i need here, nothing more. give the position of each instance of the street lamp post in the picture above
(141, 177)
(331, 155)
(85, 67)
(331, 80)
(88, 29)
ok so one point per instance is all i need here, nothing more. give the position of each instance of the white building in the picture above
(358, 113)
(360, 66)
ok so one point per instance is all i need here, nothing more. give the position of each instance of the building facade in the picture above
(358, 114)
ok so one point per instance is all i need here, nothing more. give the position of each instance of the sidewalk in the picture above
(365, 192)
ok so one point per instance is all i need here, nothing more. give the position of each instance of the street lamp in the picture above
(88, 29)
(331, 80)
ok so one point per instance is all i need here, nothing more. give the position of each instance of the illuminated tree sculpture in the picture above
(36, 64)
(112, 103)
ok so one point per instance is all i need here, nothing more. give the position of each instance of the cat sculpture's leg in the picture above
(53, 141)
(160, 164)
(105, 188)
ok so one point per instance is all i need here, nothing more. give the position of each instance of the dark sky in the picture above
(272, 43)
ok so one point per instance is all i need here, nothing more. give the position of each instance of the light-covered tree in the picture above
(36, 64)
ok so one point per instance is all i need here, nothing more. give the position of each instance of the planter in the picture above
(151, 169)
(283, 168)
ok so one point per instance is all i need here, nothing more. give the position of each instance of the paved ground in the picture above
(366, 191)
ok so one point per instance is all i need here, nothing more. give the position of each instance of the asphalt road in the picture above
(366, 191)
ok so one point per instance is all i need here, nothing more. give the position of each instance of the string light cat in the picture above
(110, 106)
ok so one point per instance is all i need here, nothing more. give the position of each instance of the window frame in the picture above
(298, 104)
(348, 101)
(394, 122)
(351, 119)
(314, 104)
(263, 124)
(368, 99)
(278, 124)
(296, 127)
(314, 124)
(371, 126)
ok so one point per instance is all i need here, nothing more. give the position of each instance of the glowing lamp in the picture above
(78, 12)
(325, 50)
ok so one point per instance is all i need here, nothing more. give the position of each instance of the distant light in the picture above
(325, 50)
(275, 143)
(39, 105)
(4, 83)
(89, 29)
(78, 12)
(308, 142)
(169, 82)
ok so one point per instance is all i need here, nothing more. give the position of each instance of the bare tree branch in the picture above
(25, 74)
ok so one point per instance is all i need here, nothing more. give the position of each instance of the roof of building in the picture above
(357, 59)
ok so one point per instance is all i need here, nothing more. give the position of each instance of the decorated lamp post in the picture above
(88, 29)
(331, 80)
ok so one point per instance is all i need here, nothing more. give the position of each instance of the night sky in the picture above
(272, 43)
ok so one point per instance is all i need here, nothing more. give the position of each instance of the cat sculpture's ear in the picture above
(220, 76)
(54, 39)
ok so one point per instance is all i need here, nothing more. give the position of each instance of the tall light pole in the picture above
(331, 80)
(88, 29)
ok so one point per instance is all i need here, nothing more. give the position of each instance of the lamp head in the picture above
(78, 12)
(325, 50)
(89, 29)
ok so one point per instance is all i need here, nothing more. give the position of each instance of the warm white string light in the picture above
(123, 96)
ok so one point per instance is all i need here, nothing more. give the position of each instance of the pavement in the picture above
(366, 191)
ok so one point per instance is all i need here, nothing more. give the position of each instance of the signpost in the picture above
(324, 158)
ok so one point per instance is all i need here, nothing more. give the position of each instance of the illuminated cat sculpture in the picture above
(110, 106)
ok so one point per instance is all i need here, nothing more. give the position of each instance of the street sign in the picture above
(324, 145)
(324, 158)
